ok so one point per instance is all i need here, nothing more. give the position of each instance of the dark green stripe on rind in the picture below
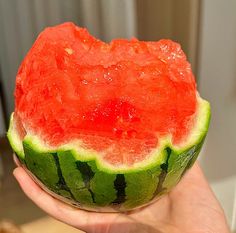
(141, 185)
(61, 183)
(88, 184)
(43, 166)
(120, 186)
(74, 178)
(178, 163)
(87, 175)
(102, 185)
(162, 176)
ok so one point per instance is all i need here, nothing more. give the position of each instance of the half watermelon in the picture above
(107, 127)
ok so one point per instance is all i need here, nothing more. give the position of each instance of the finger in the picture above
(195, 190)
(63, 212)
(194, 178)
(83, 220)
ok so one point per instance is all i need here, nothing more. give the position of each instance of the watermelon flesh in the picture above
(118, 99)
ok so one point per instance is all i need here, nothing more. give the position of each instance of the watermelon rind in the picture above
(15, 140)
(84, 177)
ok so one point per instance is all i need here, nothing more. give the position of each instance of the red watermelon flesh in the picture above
(118, 98)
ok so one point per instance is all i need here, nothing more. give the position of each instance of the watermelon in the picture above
(106, 126)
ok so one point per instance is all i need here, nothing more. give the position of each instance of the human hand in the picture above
(190, 207)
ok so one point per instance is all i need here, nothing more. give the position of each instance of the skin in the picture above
(190, 207)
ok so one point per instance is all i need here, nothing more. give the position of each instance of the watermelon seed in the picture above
(84, 81)
(69, 51)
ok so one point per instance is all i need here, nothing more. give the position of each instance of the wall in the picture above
(217, 73)
(176, 20)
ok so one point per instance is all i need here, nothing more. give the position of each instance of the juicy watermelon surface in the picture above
(119, 98)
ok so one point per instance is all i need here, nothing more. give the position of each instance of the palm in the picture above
(190, 207)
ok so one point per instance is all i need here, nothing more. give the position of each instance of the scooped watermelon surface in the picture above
(107, 126)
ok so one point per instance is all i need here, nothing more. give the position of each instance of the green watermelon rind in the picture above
(15, 140)
(197, 134)
(82, 176)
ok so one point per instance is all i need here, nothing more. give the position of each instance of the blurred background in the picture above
(206, 29)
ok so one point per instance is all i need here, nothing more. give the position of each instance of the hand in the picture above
(190, 207)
